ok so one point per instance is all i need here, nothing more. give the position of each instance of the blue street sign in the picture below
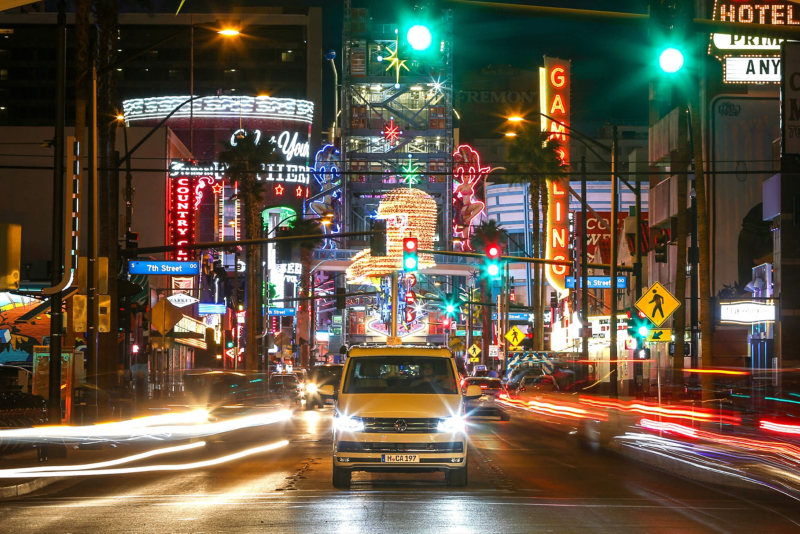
(599, 282)
(516, 316)
(172, 268)
(283, 312)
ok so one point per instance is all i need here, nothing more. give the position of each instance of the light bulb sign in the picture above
(746, 312)
(749, 59)
(554, 90)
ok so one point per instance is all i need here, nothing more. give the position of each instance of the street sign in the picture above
(515, 336)
(474, 350)
(283, 312)
(598, 282)
(513, 316)
(164, 316)
(658, 304)
(181, 300)
(494, 351)
(659, 334)
(172, 268)
(211, 309)
(474, 360)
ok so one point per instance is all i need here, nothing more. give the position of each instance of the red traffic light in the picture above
(410, 244)
(446, 322)
(642, 315)
(493, 251)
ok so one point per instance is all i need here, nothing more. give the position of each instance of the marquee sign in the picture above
(182, 216)
(554, 91)
(750, 59)
(746, 312)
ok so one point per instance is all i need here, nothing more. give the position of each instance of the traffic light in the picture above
(419, 37)
(410, 258)
(493, 259)
(340, 299)
(661, 248)
(131, 240)
(671, 21)
(638, 327)
(452, 305)
(377, 243)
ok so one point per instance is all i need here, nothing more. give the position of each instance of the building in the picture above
(279, 54)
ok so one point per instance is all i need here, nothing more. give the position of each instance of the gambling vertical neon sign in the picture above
(554, 88)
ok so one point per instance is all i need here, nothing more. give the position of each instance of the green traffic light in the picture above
(419, 37)
(450, 308)
(411, 264)
(670, 60)
(493, 269)
(643, 330)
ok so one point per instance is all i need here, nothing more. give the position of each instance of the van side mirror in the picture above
(327, 390)
(473, 392)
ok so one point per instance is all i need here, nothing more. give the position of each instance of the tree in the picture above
(485, 233)
(535, 159)
(243, 161)
(305, 227)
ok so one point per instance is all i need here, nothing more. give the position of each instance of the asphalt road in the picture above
(524, 476)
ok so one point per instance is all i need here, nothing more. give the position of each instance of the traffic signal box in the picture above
(493, 260)
(660, 248)
(669, 32)
(410, 256)
(377, 243)
(638, 327)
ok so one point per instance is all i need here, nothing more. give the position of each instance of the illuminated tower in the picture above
(397, 108)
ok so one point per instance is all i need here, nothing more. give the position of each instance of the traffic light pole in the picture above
(612, 354)
(584, 265)
(395, 299)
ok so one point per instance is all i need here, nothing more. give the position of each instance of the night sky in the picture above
(609, 62)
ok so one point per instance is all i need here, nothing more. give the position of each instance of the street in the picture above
(524, 476)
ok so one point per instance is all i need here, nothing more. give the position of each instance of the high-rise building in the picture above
(397, 108)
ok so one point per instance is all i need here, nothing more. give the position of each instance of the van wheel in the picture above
(341, 477)
(456, 478)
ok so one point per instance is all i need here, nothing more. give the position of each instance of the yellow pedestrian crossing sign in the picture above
(515, 336)
(656, 335)
(658, 304)
(474, 350)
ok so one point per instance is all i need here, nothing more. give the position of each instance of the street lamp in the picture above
(228, 32)
(515, 118)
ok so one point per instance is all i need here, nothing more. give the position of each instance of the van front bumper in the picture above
(366, 451)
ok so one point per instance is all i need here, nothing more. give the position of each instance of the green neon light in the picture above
(782, 400)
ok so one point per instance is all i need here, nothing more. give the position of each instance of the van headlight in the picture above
(452, 424)
(348, 424)
(311, 388)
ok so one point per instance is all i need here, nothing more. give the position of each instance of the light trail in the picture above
(147, 468)
(118, 461)
(187, 425)
(716, 371)
(569, 410)
(695, 414)
(779, 427)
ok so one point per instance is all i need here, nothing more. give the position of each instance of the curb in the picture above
(28, 487)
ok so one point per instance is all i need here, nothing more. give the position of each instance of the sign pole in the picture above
(584, 265)
(612, 353)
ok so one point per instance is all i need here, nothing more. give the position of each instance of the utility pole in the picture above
(56, 303)
(694, 253)
(584, 265)
(90, 201)
(612, 354)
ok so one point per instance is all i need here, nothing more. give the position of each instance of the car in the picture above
(532, 385)
(284, 387)
(491, 389)
(321, 375)
(400, 409)
(513, 385)
(301, 375)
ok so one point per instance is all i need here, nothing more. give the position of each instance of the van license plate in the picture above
(400, 458)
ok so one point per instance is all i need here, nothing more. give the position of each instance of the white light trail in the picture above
(7, 473)
(185, 425)
(147, 468)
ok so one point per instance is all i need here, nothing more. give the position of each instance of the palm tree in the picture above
(243, 161)
(534, 159)
(305, 227)
(484, 234)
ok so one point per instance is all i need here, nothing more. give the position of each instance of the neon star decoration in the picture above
(279, 190)
(411, 173)
(391, 132)
(218, 189)
(299, 191)
(468, 193)
(395, 62)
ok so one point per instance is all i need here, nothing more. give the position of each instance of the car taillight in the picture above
(484, 387)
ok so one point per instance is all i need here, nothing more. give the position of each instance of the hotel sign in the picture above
(755, 69)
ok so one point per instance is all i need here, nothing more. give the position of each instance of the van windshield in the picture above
(400, 374)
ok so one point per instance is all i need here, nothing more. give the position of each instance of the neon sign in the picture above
(554, 87)
(468, 193)
(327, 173)
(224, 106)
(392, 132)
(182, 214)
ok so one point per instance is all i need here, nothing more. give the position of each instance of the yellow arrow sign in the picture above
(474, 360)
(515, 336)
(660, 334)
(658, 304)
(474, 350)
